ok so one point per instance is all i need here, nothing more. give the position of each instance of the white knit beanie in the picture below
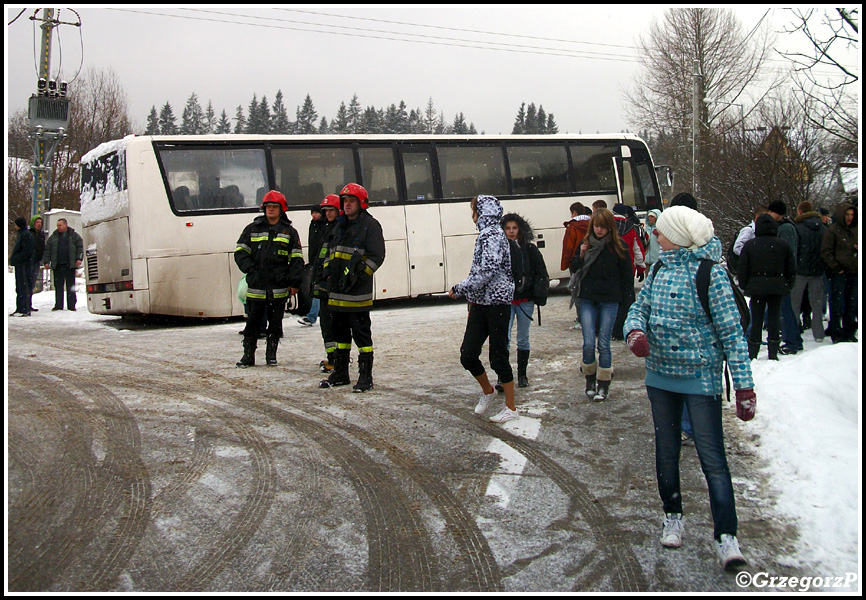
(685, 227)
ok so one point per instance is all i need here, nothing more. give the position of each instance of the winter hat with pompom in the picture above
(685, 227)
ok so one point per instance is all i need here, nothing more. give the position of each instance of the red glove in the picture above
(638, 343)
(746, 401)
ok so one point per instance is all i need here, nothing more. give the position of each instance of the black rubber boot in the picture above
(249, 357)
(754, 348)
(271, 350)
(365, 373)
(340, 375)
(522, 362)
(772, 349)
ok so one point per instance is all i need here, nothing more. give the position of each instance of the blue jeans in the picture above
(23, 288)
(790, 325)
(523, 312)
(843, 306)
(705, 413)
(604, 313)
(314, 311)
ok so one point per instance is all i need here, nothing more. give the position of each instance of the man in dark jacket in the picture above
(767, 272)
(810, 267)
(39, 238)
(22, 259)
(792, 341)
(314, 244)
(839, 251)
(64, 253)
(331, 211)
(269, 253)
(356, 251)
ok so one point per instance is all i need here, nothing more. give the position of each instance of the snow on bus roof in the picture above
(107, 148)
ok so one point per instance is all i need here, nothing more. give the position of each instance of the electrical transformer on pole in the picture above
(48, 113)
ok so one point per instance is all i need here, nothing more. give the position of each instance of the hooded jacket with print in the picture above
(490, 280)
(683, 342)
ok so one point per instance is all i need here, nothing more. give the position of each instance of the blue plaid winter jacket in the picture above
(683, 342)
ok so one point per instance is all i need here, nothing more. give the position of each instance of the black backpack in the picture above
(732, 258)
(702, 282)
(519, 271)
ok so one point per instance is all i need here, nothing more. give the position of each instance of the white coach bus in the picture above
(161, 214)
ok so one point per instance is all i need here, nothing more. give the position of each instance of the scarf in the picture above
(596, 247)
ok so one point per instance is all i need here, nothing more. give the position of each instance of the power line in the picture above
(515, 35)
(525, 50)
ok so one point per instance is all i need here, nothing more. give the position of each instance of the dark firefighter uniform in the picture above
(356, 250)
(271, 257)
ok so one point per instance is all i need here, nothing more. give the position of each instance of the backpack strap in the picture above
(702, 282)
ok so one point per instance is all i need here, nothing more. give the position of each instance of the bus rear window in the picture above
(103, 176)
(214, 179)
(307, 175)
(472, 170)
(593, 167)
(538, 169)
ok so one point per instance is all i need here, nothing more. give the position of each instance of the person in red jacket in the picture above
(575, 230)
(625, 221)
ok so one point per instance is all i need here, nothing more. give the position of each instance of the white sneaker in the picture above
(672, 534)
(729, 553)
(305, 322)
(484, 402)
(506, 414)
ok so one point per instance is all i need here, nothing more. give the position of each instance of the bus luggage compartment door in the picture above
(426, 254)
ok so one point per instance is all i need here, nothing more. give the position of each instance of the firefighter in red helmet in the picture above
(355, 251)
(269, 253)
(331, 210)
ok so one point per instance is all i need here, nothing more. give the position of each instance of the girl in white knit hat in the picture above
(684, 349)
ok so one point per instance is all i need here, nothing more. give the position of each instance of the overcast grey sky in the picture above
(574, 60)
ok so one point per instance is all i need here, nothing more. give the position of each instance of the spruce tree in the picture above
(280, 119)
(192, 120)
(340, 124)
(265, 116)
(209, 119)
(520, 120)
(356, 114)
(152, 122)
(167, 124)
(254, 122)
(240, 120)
(531, 126)
(307, 117)
(323, 127)
(223, 125)
(552, 127)
(429, 119)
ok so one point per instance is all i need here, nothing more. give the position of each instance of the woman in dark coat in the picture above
(604, 280)
(766, 272)
(520, 231)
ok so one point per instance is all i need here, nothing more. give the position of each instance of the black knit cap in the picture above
(778, 207)
(21, 222)
(685, 199)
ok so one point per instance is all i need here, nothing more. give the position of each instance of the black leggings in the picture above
(487, 322)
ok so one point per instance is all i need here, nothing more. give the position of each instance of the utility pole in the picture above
(49, 117)
(696, 128)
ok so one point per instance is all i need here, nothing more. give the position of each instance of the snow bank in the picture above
(808, 420)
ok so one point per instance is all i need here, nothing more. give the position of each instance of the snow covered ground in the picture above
(807, 430)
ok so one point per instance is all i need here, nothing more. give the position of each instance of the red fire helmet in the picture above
(275, 197)
(353, 189)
